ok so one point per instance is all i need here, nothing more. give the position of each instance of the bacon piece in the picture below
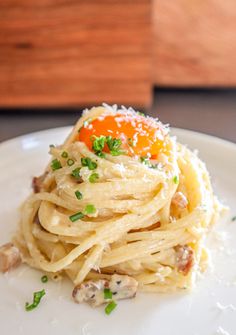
(9, 257)
(92, 292)
(37, 183)
(179, 200)
(184, 258)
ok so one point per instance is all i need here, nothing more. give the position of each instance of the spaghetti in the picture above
(120, 196)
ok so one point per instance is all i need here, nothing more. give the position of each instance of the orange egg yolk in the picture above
(139, 135)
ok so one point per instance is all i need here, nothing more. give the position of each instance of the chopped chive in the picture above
(113, 144)
(78, 195)
(76, 173)
(110, 307)
(86, 161)
(93, 177)
(98, 143)
(176, 179)
(140, 113)
(233, 218)
(56, 164)
(92, 165)
(70, 162)
(117, 152)
(100, 154)
(44, 279)
(154, 166)
(90, 209)
(36, 300)
(146, 161)
(51, 146)
(76, 216)
(107, 293)
(64, 154)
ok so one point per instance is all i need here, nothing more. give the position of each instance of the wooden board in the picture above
(194, 43)
(69, 53)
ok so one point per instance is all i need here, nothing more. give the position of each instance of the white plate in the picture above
(194, 313)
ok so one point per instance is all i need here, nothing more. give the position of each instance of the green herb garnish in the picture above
(98, 144)
(76, 173)
(100, 154)
(176, 179)
(51, 146)
(117, 152)
(56, 164)
(145, 160)
(93, 177)
(107, 293)
(70, 162)
(154, 166)
(140, 113)
(110, 307)
(86, 161)
(76, 216)
(44, 279)
(64, 154)
(114, 145)
(78, 195)
(36, 300)
(90, 209)
(233, 218)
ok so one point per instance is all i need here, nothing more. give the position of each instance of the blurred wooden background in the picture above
(69, 53)
(194, 43)
(74, 52)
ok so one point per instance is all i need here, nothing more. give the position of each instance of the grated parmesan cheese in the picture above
(221, 307)
(222, 331)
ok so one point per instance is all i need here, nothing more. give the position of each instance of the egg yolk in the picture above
(139, 135)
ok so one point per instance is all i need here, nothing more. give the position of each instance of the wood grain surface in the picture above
(83, 52)
(74, 52)
(194, 43)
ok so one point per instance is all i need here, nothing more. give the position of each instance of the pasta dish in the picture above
(121, 207)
